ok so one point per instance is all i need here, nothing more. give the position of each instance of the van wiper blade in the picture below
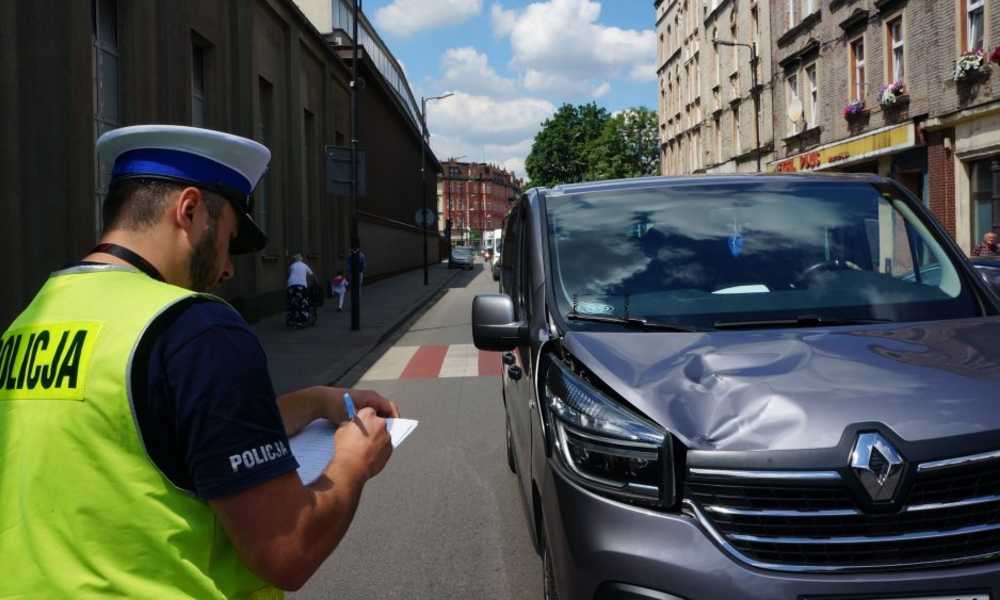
(800, 321)
(635, 322)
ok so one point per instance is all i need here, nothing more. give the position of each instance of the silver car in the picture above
(748, 388)
(461, 258)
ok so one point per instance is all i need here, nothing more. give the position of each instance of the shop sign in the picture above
(870, 145)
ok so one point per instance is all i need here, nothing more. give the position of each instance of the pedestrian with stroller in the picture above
(338, 288)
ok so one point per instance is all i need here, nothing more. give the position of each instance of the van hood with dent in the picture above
(800, 388)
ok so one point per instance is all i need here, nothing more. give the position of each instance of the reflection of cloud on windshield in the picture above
(591, 274)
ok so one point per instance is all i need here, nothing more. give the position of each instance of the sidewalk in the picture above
(325, 353)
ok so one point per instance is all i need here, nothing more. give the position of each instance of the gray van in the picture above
(748, 387)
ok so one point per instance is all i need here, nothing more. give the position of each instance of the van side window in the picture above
(523, 284)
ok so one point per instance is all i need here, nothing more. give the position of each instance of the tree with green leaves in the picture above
(560, 151)
(629, 146)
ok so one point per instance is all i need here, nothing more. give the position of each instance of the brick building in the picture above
(706, 103)
(474, 198)
(258, 68)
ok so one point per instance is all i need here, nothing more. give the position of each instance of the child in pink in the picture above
(338, 285)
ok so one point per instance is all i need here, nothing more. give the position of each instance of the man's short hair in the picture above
(138, 204)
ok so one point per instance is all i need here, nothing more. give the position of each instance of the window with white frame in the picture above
(857, 69)
(793, 93)
(737, 141)
(973, 24)
(894, 37)
(812, 96)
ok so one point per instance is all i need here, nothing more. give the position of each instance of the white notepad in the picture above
(313, 446)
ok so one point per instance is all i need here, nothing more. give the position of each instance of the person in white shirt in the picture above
(299, 274)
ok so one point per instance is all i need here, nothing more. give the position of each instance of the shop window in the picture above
(857, 62)
(895, 43)
(985, 197)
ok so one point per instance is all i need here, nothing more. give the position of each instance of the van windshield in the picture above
(708, 254)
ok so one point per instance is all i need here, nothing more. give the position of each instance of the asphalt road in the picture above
(444, 519)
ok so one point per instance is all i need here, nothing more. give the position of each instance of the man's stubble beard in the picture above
(204, 264)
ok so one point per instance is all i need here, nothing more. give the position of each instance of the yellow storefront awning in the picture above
(887, 140)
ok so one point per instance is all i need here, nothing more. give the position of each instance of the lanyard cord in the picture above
(130, 257)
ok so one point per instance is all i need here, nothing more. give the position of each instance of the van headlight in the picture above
(605, 447)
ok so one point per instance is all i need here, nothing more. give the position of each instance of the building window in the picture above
(755, 25)
(198, 52)
(972, 24)
(107, 116)
(858, 69)
(718, 139)
(808, 7)
(894, 37)
(793, 92)
(734, 35)
(791, 12)
(737, 136)
(718, 57)
(265, 135)
(812, 97)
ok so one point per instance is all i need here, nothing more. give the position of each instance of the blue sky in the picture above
(511, 63)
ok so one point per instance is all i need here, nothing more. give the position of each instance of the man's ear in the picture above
(186, 207)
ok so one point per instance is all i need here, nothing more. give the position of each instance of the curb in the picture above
(420, 307)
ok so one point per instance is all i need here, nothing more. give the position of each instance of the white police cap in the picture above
(219, 162)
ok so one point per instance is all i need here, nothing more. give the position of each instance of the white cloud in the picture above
(483, 120)
(467, 70)
(601, 90)
(562, 47)
(503, 20)
(404, 17)
(643, 72)
(483, 128)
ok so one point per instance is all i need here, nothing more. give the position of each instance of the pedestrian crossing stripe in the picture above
(434, 362)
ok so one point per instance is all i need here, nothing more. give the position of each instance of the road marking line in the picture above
(462, 360)
(489, 364)
(392, 363)
(426, 363)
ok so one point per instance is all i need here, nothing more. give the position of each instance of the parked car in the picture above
(461, 258)
(738, 388)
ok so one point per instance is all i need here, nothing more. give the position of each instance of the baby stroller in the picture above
(300, 310)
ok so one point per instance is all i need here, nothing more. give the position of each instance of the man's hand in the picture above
(383, 407)
(362, 447)
(301, 407)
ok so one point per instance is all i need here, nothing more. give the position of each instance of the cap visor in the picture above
(251, 238)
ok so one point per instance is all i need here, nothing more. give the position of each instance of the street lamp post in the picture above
(756, 90)
(423, 169)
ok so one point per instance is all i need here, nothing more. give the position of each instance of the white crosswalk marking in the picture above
(462, 360)
(392, 363)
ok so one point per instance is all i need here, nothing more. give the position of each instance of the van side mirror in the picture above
(493, 324)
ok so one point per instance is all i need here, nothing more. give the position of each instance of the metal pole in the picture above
(423, 177)
(756, 101)
(355, 259)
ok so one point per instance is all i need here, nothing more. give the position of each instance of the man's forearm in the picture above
(301, 407)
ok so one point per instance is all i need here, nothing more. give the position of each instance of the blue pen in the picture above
(349, 405)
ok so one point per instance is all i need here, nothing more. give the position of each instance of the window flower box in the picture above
(970, 66)
(889, 95)
(854, 109)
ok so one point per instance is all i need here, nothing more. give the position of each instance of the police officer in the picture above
(142, 450)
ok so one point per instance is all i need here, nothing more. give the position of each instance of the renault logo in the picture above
(877, 465)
